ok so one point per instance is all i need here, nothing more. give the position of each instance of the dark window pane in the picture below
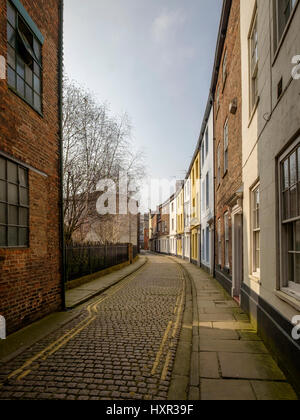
(37, 102)
(37, 49)
(23, 237)
(24, 196)
(11, 36)
(297, 235)
(11, 57)
(20, 86)
(12, 172)
(29, 94)
(293, 169)
(3, 213)
(12, 215)
(286, 181)
(12, 194)
(2, 236)
(23, 216)
(11, 15)
(20, 67)
(28, 75)
(11, 77)
(3, 191)
(285, 205)
(37, 84)
(23, 177)
(297, 269)
(12, 236)
(37, 69)
(293, 202)
(2, 168)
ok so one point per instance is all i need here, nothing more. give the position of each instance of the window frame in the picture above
(278, 38)
(219, 242)
(13, 58)
(255, 230)
(287, 224)
(19, 205)
(253, 69)
(224, 67)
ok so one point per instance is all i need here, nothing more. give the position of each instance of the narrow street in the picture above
(142, 339)
(122, 346)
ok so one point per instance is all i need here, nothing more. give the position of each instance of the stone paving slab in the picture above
(234, 364)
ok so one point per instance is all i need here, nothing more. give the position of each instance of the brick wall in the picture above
(232, 180)
(30, 279)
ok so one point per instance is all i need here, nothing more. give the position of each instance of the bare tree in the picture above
(97, 146)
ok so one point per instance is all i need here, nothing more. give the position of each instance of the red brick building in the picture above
(226, 89)
(31, 269)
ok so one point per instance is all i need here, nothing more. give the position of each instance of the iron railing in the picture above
(85, 259)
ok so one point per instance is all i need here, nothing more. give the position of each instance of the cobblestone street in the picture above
(121, 346)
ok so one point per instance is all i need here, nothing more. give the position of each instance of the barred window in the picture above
(290, 218)
(24, 59)
(14, 205)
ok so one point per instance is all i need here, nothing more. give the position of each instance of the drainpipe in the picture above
(60, 96)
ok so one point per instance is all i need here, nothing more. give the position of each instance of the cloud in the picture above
(167, 24)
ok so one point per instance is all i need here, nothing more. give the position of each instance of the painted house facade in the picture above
(187, 218)
(173, 226)
(195, 208)
(207, 190)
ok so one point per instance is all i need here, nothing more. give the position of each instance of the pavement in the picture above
(164, 330)
(82, 294)
(232, 361)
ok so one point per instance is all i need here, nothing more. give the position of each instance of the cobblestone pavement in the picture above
(122, 345)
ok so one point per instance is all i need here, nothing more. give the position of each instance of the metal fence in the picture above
(82, 260)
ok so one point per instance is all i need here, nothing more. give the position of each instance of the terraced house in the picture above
(195, 208)
(31, 272)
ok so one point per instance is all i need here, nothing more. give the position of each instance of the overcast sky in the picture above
(153, 59)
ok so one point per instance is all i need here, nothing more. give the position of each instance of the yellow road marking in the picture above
(165, 369)
(159, 353)
(61, 341)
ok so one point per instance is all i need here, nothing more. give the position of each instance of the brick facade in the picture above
(229, 91)
(30, 278)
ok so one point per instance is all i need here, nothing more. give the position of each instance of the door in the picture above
(237, 255)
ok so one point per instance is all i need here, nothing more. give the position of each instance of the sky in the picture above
(152, 59)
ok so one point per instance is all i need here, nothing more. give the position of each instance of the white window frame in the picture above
(255, 227)
(286, 224)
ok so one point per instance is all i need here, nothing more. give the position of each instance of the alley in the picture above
(122, 345)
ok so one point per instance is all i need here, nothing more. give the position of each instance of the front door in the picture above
(237, 255)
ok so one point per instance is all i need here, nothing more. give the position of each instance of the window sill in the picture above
(288, 298)
(255, 278)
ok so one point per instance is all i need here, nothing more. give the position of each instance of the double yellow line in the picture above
(92, 309)
(177, 311)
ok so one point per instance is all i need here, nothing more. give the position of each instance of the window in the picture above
(284, 9)
(24, 59)
(290, 219)
(172, 224)
(225, 67)
(194, 208)
(202, 154)
(226, 229)
(219, 165)
(207, 190)
(14, 205)
(207, 244)
(197, 169)
(206, 141)
(218, 98)
(253, 49)
(226, 147)
(219, 243)
(203, 195)
(203, 245)
(256, 230)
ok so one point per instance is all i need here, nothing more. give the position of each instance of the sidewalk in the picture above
(232, 360)
(82, 294)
